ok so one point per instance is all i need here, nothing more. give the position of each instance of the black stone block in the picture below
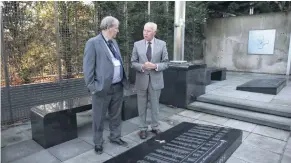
(53, 129)
(129, 107)
(213, 73)
(55, 123)
(267, 86)
(132, 75)
(187, 143)
(183, 84)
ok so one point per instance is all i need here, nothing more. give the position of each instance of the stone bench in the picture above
(56, 122)
(213, 73)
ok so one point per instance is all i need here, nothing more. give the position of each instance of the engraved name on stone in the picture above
(218, 136)
(189, 140)
(154, 159)
(213, 129)
(203, 130)
(184, 144)
(209, 144)
(162, 157)
(207, 154)
(170, 154)
(190, 159)
(177, 146)
(206, 128)
(195, 135)
(177, 150)
(205, 148)
(201, 133)
(199, 151)
(196, 155)
(188, 137)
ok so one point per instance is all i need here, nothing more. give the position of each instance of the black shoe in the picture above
(156, 131)
(119, 142)
(142, 134)
(98, 149)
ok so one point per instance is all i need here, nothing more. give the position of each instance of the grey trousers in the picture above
(111, 101)
(144, 98)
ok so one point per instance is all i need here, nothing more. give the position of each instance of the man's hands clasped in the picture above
(149, 66)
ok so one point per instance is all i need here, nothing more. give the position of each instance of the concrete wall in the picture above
(227, 43)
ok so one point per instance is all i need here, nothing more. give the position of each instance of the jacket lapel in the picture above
(156, 47)
(118, 50)
(104, 46)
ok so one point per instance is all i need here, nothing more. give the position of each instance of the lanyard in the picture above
(109, 46)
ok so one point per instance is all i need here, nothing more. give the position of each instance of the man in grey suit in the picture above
(149, 59)
(105, 78)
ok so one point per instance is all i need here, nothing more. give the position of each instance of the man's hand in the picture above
(149, 66)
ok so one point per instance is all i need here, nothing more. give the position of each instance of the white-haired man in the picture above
(149, 59)
(105, 78)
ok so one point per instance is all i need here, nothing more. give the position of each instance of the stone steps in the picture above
(243, 115)
(262, 107)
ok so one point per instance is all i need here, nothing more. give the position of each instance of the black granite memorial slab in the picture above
(185, 143)
(183, 83)
(267, 86)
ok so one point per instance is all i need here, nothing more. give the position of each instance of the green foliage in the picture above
(25, 74)
(31, 37)
(196, 15)
(237, 8)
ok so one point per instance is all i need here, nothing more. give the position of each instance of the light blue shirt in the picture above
(116, 64)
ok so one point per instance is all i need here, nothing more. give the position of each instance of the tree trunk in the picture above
(167, 20)
(149, 10)
(97, 13)
(127, 56)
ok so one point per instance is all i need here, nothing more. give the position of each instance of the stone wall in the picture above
(227, 43)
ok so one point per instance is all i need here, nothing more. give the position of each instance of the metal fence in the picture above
(43, 42)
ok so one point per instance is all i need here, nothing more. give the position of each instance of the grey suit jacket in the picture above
(98, 67)
(159, 57)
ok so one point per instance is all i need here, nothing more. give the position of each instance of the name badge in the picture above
(116, 62)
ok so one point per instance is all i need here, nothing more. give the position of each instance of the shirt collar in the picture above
(106, 39)
(152, 41)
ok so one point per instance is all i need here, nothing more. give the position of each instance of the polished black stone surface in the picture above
(183, 84)
(56, 122)
(132, 75)
(213, 73)
(129, 107)
(185, 143)
(267, 86)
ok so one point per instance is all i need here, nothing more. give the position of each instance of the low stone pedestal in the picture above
(183, 84)
(267, 86)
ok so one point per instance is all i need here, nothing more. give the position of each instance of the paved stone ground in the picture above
(228, 88)
(261, 144)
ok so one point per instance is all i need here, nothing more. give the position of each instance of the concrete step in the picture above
(262, 107)
(243, 115)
